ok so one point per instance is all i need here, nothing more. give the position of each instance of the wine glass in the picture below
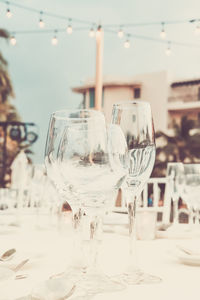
(60, 121)
(84, 154)
(133, 146)
(192, 191)
(175, 175)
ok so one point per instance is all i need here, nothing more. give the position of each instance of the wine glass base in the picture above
(91, 282)
(137, 277)
(97, 282)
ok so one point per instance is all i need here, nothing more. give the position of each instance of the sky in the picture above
(43, 75)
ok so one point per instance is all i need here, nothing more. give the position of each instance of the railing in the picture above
(184, 98)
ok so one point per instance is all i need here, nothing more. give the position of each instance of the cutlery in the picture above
(68, 294)
(7, 255)
(188, 251)
(20, 265)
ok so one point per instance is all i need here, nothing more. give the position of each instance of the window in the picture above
(92, 97)
(136, 93)
(84, 100)
(199, 94)
(133, 118)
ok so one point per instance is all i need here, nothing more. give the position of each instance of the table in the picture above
(49, 251)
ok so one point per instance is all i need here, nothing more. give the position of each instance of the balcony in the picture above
(184, 98)
(183, 106)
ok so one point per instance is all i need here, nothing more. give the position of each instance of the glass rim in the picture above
(58, 114)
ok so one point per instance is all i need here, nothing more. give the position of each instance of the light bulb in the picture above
(163, 34)
(92, 33)
(13, 41)
(197, 29)
(8, 13)
(69, 29)
(54, 41)
(127, 44)
(168, 51)
(41, 23)
(120, 33)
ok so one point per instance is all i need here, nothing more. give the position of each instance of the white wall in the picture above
(155, 91)
(113, 95)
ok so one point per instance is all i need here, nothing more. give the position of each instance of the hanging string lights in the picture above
(163, 33)
(120, 33)
(168, 49)
(197, 28)
(8, 11)
(127, 43)
(92, 32)
(13, 40)
(41, 22)
(54, 40)
(119, 30)
(69, 27)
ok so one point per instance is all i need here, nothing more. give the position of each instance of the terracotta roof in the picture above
(185, 82)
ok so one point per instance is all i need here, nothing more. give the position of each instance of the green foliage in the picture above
(183, 146)
(8, 113)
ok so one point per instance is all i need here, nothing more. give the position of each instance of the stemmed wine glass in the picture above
(85, 161)
(134, 150)
(175, 175)
(77, 160)
(59, 123)
(191, 193)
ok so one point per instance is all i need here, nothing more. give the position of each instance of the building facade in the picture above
(184, 100)
(169, 102)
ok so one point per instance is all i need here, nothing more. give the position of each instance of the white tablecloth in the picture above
(49, 253)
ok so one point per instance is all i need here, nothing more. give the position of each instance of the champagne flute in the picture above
(134, 150)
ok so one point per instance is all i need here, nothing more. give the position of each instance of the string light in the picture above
(13, 40)
(8, 12)
(120, 33)
(163, 33)
(91, 27)
(98, 32)
(92, 32)
(127, 43)
(197, 28)
(54, 40)
(41, 22)
(168, 50)
(69, 27)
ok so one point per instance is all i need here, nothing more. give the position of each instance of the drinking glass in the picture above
(60, 121)
(133, 146)
(191, 191)
(175, 175)
(84, 154)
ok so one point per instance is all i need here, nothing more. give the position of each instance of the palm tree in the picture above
(183, 146)
(7, 113)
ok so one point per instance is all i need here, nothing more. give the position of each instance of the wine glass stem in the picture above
(91, 242)
(175, 211)
(132, 232)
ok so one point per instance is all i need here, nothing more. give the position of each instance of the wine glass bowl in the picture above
(135, 120)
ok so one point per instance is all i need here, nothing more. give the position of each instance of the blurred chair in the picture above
(156, 193)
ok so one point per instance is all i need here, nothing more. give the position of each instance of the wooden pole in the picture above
(99, 60)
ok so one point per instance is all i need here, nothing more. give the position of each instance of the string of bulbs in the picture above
(121, 32)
